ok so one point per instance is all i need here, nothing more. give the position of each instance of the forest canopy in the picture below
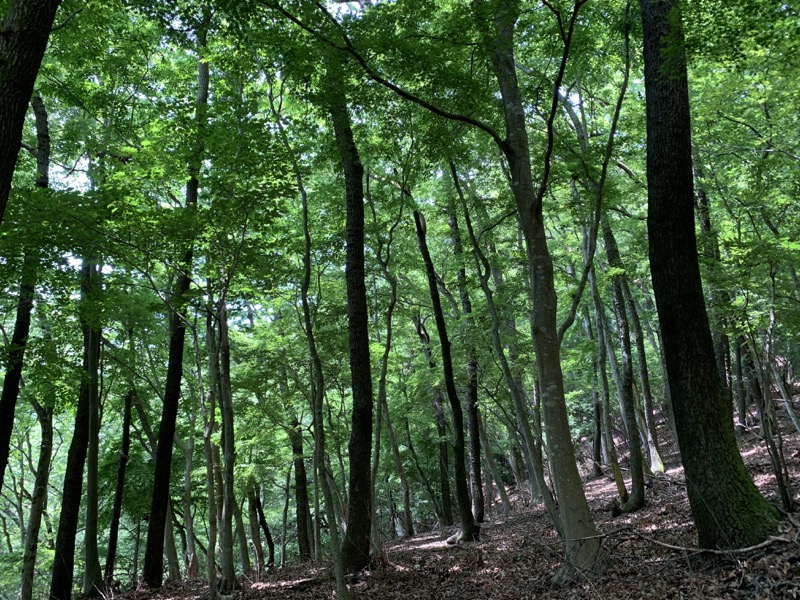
(284, 280)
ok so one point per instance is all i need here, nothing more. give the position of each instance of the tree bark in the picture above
(470, 530)
(23, 40)
(64, 561)
(356, 545)
(116, 511)
(728, 509)
(635, 500)
(153, 571)
(28, 277)
(473, 417)
(38, 499)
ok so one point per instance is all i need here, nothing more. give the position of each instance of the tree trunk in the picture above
(470, 530)
(493, 468)
(153, 572)
(408, 520)
(29, 275)
(625, 383)
(92, 575)
(252, 513)
(64, 561)
(227, 572)
(23, 40)
(423, 480)
(267, 534)
(38, 499)
(356, 545)
(584, 553)
(446, 516)
(116, 511)
(473, 417)
(728, 509)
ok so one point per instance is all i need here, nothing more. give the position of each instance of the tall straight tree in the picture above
(356, 544)
(153, 571)
(728, 509)
(23, 40)
(470, 530)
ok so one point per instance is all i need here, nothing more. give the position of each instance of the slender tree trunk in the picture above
(408, 520)
(356, 546)
(491, 463)
(29, 275)
(227, 572)
(532, 455)
(423, 480)
(446, 516)
(170, 548)
(470, 530)
(38, 499)
(190, 554)
(116, 511)
(473, 417)
(584, 552)
(728, 509)
(92, 575)
(255, 535)
(64, 560)
(262, 521)
(625, 383)
(23, 40)
(153, 572)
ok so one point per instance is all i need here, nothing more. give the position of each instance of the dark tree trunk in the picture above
(446, 515)
(262, 521)
(302, 512)
(116, 511)
(38, 498)
(476, 483)
(30, 267)
(470, 530)
(356, 544)
(23, 40)
(625, 388)
(64, 560)
(153, 571)
(728, 509)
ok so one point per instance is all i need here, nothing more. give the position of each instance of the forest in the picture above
(295, 289)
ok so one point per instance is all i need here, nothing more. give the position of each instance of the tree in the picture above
(727, 508)
(356, 545)
(23, 39)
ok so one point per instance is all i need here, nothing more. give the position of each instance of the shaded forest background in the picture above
(285, 268)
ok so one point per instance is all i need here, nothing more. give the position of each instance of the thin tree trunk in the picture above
(473, 417)
(470, 530)
(424, 480)
(267, 533)
(446, 515)
(153, 572)
(625, 380)
(491, 463)
(255, 535)
(116, 511)
(62, 575)
(408, 520)
(38, 499)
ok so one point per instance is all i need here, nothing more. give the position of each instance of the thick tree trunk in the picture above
(728, 509)
(470, 530)
(23, 40)
(153, 572)
(356, 545)
(64, 561)
(116, 511)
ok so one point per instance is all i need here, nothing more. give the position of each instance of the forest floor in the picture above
(652, 554)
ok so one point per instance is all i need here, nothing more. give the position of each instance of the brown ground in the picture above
(651, 553)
